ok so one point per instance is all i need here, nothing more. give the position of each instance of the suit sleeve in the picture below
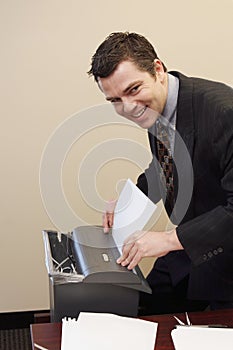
(209, 235)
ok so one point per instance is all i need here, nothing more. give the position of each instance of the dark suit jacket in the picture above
(205, 123)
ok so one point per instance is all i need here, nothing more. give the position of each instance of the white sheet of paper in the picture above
(193, 338)
(101, 331)
(132, 212)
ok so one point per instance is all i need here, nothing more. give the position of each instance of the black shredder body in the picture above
(86, 278)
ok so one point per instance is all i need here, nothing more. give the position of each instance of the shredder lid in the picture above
(95, 254)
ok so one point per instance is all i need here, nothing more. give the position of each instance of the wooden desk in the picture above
(48, 335)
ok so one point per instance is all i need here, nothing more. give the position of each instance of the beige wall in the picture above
(45, 52)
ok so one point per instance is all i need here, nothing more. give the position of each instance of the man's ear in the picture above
(159, 70)
(158, 66)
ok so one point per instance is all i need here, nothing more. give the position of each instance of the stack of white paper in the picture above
(202, 338)
(102, 331)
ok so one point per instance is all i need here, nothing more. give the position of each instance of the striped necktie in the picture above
(166, 163)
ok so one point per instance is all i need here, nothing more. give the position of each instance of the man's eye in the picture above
(114, 100)
(134, 89)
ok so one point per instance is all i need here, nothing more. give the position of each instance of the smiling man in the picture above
(194, 268)
(135, 93)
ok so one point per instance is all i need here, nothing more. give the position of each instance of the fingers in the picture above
(108, 216)
(136, 259)
(107, 221)
(131, 256)
(125, 254)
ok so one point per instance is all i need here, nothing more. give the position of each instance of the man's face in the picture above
(136, 94)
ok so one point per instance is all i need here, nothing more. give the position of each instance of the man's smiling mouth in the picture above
(140, 113)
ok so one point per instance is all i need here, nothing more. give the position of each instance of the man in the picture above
(194, 268)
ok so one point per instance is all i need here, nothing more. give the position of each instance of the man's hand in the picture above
(148, 244)
(108, 216)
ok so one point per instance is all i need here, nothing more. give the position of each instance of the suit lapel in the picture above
(185, 120)
(185, 129)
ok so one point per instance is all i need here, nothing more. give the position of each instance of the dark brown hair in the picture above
(118, 47)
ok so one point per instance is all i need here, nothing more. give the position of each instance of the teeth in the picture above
(139, 114)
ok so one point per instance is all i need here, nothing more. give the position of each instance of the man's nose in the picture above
(129, 107)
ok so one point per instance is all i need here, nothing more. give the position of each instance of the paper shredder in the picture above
(84, 275)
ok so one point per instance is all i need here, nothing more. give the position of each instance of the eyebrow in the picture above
(126, 90)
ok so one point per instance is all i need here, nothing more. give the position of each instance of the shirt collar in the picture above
(172, 96)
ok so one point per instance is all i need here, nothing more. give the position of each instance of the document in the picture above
(132, 213)
(102, 331)
(202, 338)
